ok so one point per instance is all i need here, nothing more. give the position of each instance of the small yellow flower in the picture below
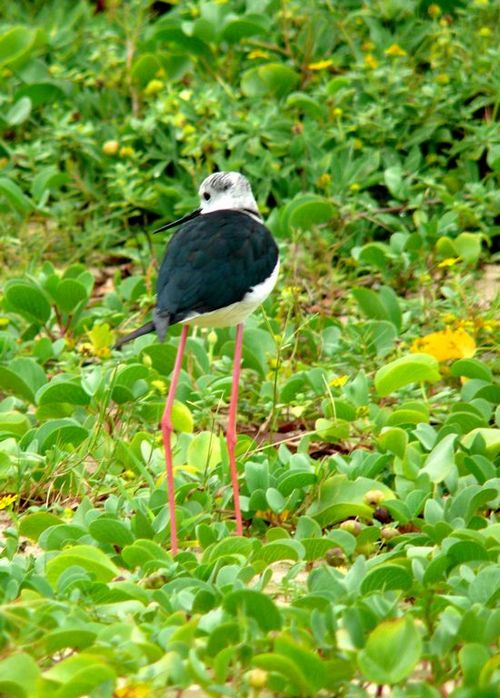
(7, 500)
(442, 79)
(370, 61)
(110, 147)
(355, 187)
(395, 50)
(337, 112)
(153, 87)
(357, 144)
(186, 95)
(339, 381)
(448, 262)
(258, 53)
(320, 65)
(188, 129)
(126, 151)
(434, 10)
(4, 321)
(481, 3)
(445, 345)
(159, 386)
(367, 46)
(484, 32)
(179, 120)
(323, 180)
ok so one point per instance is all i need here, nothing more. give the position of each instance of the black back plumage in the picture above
(210, 263)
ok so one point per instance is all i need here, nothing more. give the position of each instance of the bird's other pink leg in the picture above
(231, 427)
(167, 428)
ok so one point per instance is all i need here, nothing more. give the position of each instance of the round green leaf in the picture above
(386, 578)
(28, 300)
(88, 557)
(391, 652)
(255, 605)
(413, 368)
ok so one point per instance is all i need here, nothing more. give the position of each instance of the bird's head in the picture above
(222, 190)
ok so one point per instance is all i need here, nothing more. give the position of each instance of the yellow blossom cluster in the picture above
(446, 344)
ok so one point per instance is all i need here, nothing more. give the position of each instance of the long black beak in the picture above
(185, 219)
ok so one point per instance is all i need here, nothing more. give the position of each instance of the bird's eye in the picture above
(206, 196)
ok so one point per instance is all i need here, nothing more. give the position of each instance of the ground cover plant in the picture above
(369, 418)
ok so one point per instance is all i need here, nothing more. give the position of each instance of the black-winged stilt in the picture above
(219, 266)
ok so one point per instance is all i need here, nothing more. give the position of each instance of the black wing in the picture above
(212, 262)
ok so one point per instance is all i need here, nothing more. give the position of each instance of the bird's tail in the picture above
(145, 329)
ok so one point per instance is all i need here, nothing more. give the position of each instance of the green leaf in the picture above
(33, 525)
(15, 196)
(413, 368)
(19, 112)
(14, 44)
(393, 439)
(386, 578)
(79, 675)
(68, 295)
(310, 664)
(468, 246)
(272, 78)
(471, 368)
(62, 391)
(236, 545)
(281, 550)
(255, 605)
(14, 423)
(441, 459)
(286, 667)
(182, 418)
(472, 657)
(19, 674)
(60, 432)
(204, 451)
(23, 377)
(341, 498)
(490, 437)
(305, 211)
(144, 68)
(88, 557)
(106, 529)
(391, 652)
(28, 300)
(393, 177)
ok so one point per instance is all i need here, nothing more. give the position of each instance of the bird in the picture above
(219, 266)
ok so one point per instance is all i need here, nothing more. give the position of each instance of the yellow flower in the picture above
(153, 87)
(188, 129)
(101, 340)
(4, 321)
(323, 180)
(110, 147)
(160, 386)
(179, 120)
(355, 187)
(448, 262)
(186, 95)
(320, 65)
(434, 10)
(357, 144)
(447, 344)
(395, 50)
(484, 31)
(7, 500)
(370, 61)
(481, 3)
(339, 381)
(126, 152)
(257, 53)
(337, 112)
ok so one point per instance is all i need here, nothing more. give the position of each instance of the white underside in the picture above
(237, 312)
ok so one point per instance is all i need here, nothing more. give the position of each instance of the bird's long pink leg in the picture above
(167, 428)
(231, 427)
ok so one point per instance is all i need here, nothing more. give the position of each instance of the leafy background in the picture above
(369, 419)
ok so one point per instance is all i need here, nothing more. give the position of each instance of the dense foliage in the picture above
(369, 418)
